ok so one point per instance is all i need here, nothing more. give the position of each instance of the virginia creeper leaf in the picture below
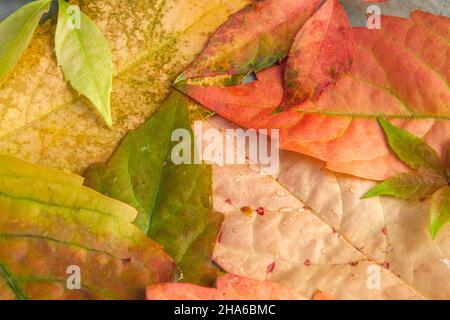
(413, 151)
(173, 200)
(45, 121)
(322, 51)
(440, 210)
(85, 58)
(16, 32)
(407, 186)
(252, 39)
(351, 145)
(228, 287)
(50, 227)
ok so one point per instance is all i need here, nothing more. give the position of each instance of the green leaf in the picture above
(440, 210)
(16, 32)
(173, 201)
(49, 226)
(85, 58)
(413, 151)
(407, 186)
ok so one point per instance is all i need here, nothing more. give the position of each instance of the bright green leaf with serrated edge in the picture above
(16, 32)
(413, 151)
(440, 210)
(173, 200)
(407, 186)
(85, 57)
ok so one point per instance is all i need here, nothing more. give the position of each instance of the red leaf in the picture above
(355, 146)
(322, 51)
(229, 287)
(252, 39)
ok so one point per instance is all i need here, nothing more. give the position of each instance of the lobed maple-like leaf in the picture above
(252, 39)
(309, 230)
(322, 51)
(172, 199)
(51, 224)
(228, 287)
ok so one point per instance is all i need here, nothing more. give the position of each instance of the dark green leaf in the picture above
(173, 201)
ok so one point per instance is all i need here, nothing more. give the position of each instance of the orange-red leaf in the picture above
(401, 70)
(354, 146)
(322, 51)
(228, 287)
(252, 39)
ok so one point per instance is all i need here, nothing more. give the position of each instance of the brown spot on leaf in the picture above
(247, 211)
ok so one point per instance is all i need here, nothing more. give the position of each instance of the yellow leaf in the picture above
(44, 121)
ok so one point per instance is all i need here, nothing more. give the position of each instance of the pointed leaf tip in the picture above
(253, 38)
(413, 151)
(439, 211)
(406, 186)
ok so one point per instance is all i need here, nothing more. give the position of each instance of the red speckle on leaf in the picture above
(334, 230)
(384, 231)
(271, 267)
(354, 263)
(126, 261)
(260, 211)
(307, 263)
(228, 201)
(385, 264)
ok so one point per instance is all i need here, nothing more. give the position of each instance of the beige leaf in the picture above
(44, 121)
(316, 233)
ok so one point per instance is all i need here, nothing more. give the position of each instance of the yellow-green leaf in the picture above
(413, 151)
(16, 32)
(407, 186)
(49, 228)
(440, 210)
(85, 57)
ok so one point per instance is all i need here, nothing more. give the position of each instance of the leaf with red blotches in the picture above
(318, 234)
(252, 39)
(228, 287)
(353, 142)
(322, 51)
